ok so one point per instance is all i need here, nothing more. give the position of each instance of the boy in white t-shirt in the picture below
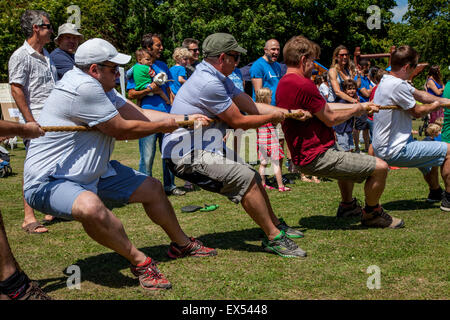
(392, 139)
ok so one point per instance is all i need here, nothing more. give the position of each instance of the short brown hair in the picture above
(348, 84)
(402, 56)
(296, 48)
(140, 53)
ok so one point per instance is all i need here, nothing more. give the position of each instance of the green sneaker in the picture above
(291, 233)
(283, 246)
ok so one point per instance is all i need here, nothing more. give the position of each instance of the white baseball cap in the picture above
(68, 28)
(98, 50)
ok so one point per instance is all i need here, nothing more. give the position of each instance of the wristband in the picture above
(289, 111)
(186, 117)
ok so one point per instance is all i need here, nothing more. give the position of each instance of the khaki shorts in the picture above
(341, 165)
(229, 176)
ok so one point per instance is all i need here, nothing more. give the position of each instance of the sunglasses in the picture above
(343, 55)
(236, 57)
(114, 68)
(46, 25)
(195, 50)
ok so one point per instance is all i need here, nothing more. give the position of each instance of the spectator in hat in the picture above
(68, 40)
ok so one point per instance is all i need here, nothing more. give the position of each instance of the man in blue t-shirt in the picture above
(67, 40)
(147, 145)
(266, 71)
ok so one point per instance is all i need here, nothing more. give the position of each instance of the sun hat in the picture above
(68, 28)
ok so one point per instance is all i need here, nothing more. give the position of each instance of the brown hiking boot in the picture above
(33, 292)
(347, 210)
(150, 278)
(378, 218)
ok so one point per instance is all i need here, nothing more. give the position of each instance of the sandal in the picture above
(268, 187)
(283, 189)
(32, 227)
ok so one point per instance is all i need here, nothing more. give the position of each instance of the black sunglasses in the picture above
(115, 68)
(47, 25)
(195, 50)
(236, 57)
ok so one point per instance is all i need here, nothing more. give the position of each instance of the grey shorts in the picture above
(230, 176)
(341, 165)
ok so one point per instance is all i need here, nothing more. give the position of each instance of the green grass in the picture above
(413, 261)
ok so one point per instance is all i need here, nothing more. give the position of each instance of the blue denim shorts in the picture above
(56, 196)
(420, 154)
(345, 140)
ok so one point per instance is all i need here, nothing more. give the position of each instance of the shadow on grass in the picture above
(106, 269)
(411, 204)
(331, 223)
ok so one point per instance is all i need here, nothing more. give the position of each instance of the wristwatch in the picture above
(186, 117)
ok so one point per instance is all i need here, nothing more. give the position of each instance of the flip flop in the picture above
(208, 208)
(31, 228)
(192, 208)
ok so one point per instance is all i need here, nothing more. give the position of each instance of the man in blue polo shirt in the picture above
(199, 155)
(266, 71)
(150, 100)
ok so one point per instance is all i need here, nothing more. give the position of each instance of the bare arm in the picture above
(21, 102)
(27, 130)
(342, 112)
(425, 97)
(237, 120)
(432, 86)
(257, 83)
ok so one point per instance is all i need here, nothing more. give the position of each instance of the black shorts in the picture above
(361, 123)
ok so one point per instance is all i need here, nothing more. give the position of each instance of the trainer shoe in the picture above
(176, 192)
(288, 231)
(283, 246)
(150, 278)
(435, 195)
(378, 218)
(194, 249)
(445, 204)
(33, 292)
(349, 210)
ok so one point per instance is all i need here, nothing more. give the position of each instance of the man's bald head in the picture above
(272, 50)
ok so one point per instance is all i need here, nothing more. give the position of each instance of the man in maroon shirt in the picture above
(312, 142)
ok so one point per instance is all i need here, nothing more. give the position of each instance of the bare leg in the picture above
(366, 138)
(8, 265)
(256, 203)
(445, 170)
(432, 178)
(158, 208)
(277, 172)
(374, 186)
(105, 228)
(346, 189)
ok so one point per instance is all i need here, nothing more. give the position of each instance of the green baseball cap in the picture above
(217, 43)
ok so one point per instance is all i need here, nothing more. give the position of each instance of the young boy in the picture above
(344, 130)
(178, 71)
(143, 73)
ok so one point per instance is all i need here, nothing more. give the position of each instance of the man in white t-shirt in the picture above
(70, 175)
(392, 139)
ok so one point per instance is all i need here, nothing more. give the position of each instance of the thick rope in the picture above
(190, 123)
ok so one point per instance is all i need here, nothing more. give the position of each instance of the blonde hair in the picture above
(433, 129)
(181, 53)
(439, 121)
(263, 95)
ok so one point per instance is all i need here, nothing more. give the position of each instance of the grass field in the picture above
(414, 261)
